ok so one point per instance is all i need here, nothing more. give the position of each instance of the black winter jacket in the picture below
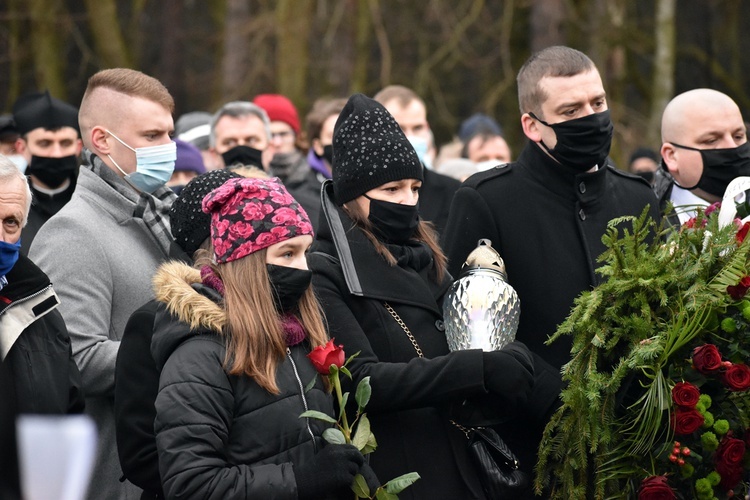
(34, 344)
(547, 223)
(222, 436)
(410, 395)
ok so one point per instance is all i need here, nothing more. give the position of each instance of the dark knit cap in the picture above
(190, 225)
(369, 150)
(41, 110)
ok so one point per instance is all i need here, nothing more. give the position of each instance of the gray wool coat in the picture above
(101, 259)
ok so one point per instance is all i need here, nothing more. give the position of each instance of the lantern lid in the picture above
(484, 257)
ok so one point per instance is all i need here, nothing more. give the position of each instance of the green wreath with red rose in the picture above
(657, 402)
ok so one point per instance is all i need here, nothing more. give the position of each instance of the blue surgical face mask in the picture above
(8, 256)
(19, 161)
(421, 146)
(154, 165)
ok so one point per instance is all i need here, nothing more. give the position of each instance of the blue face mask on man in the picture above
(421, 147)
(8, 256)
(154, 165)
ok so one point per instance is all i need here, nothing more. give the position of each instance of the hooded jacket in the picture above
(218, 435)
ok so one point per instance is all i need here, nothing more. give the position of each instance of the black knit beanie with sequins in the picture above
(190, 225)
(369, 150)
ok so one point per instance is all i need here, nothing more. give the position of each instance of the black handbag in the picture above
(497, 466)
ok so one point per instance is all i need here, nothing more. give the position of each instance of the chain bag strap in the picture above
(496, 464)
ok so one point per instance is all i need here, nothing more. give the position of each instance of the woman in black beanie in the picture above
(380, 275)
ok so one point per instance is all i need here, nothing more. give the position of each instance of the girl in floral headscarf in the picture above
(231, 342)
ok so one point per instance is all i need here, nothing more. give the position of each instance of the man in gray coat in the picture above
(102, 249)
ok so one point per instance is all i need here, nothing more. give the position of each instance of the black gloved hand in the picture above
(370, 478)
(509, 375)
(333, 468)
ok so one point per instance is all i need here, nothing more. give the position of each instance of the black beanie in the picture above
(369, 150)
(190, 225)
(39, 109)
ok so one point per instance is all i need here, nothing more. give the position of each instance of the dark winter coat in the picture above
(409, 394)
(307, 192)
(136, 387)
(218, 435)
(34, 344)
(547, 223)
(435, 198)
(43, 206)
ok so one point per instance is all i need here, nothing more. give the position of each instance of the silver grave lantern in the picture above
(481, 310)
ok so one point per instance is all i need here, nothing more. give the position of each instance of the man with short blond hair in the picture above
(102, 249)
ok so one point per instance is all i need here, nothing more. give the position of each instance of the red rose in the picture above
(686, 421)
(690, 223)
(728, 461)
(241, 229)
(706, 359)
(712, 208)
(730, 451)
(737, 377)
(742, 232)
(323, 356)
(655, 488)
(685, 394)
(740, 289)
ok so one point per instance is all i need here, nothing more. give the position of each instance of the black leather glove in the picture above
(509, 375)
(332, 469)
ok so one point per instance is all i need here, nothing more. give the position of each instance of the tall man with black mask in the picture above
(704, 148)
(50, 143)
(546, 214)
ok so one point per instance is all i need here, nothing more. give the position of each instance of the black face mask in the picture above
(288, 285)
(394, 222)
(328, 154)
(52, 171)
(243, 155)
(720, 167)
(583, 142)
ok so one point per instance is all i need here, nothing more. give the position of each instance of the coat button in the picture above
(440, 325)
(582, 214)
(582, 187)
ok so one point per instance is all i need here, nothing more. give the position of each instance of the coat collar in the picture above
(365, 272)
(563, 181)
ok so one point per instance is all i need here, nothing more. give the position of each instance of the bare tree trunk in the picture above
(15, 53)
(664, 63)
(547, 17)
(235, 61)
(105, 29)
(171, 61)
(45, 42)
(293, 20)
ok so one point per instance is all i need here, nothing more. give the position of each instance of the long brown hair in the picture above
(255, 337)
(425, 233)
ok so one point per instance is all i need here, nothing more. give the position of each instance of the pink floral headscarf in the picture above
(248, 215)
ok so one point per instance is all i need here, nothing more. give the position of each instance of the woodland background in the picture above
(461, 56)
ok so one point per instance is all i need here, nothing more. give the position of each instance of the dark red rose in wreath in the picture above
(737, 377)
(323, 356)
(740, 289)
(730, 451)
(685, 394)
(655, 488)
(706, 359)
(686, 421)
(742, 232)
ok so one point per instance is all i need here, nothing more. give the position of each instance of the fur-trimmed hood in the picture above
(187, 308)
